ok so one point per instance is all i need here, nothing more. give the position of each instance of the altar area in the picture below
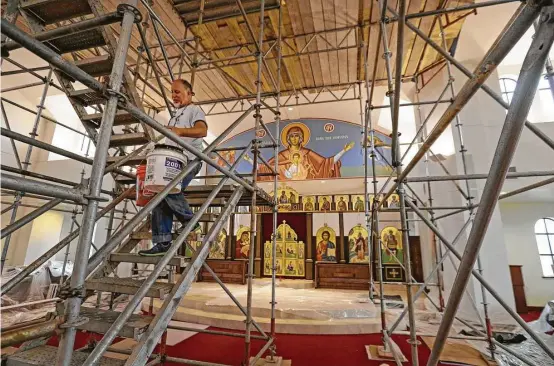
(300, 309)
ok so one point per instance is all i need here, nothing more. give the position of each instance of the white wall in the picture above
(519, 234)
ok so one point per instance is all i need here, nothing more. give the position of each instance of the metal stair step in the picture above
(46, 355)
(128, 139)
(86, 97)
(135, 258)
(121, 118)
(52, 11)
(78, 41)
(128, 286)
(123, 180)
(96, 66)
(100, 321)
(137, 160)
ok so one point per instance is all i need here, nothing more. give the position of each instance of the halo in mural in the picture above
(296, 125)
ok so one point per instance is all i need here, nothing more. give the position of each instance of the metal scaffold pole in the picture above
(394, 97)
(275, 181)
(253, 216)
(73, 303)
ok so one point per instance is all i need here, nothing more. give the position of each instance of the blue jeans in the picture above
(172, 205)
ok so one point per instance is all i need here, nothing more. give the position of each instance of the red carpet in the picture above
(530, 316)
(303, 350)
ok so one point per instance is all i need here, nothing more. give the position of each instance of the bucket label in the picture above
(173, 163)
(173, 167)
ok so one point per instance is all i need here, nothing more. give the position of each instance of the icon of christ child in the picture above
(296, 170)
(326, 249)
(295, 136)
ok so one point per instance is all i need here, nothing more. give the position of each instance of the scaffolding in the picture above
(117, 92)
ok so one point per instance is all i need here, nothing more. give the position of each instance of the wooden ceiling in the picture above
(323, 45)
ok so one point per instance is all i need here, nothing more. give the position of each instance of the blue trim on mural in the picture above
(321, 149)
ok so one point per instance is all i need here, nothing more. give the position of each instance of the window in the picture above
(541, 109)
(544, 233)
(508, 85)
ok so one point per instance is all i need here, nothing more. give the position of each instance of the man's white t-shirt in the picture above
(185, 117)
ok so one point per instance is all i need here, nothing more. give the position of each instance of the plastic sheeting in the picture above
(544, 323)
(32, 288)
(529, 350)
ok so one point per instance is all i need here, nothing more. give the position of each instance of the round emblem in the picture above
(329, 127)
(260, 133)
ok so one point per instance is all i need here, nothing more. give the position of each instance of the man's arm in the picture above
(198, 130)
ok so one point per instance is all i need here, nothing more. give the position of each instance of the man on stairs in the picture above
(189, 122)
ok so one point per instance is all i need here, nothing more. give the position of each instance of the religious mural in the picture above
(358, 245)
(326, 244)
(242, 245)
(312, 149)
(289, 260)
(217, 248)
(288, 199)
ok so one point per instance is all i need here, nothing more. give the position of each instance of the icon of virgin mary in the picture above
(297, 162)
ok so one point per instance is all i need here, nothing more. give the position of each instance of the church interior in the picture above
(374, 184)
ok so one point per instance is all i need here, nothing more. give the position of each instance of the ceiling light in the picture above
(290, 108)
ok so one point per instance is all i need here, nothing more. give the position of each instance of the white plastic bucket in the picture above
(163, 165)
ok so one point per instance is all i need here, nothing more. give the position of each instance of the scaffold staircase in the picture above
(46, 16)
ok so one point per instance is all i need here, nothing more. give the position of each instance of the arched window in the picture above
(544, 233)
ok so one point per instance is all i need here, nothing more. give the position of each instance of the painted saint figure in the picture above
(394, 203)
(325, 205)
(359, 205)
(361, 246)
(326, 249)
(292, 198)
(296, 171)
(303, 161)
(243, 246)
(341, 205)
(283, 198)
(309, 205)
(390, 242)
